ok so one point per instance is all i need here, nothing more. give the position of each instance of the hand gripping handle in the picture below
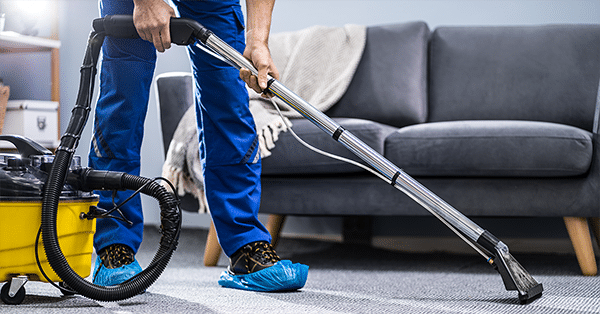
(183, 31)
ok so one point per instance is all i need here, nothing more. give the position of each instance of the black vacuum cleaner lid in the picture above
(23, 179)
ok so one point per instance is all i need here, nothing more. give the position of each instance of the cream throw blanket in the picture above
(316, 63)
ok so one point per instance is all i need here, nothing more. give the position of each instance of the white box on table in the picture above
(35, 119)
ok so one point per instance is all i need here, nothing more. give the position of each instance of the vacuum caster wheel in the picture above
(17, 298)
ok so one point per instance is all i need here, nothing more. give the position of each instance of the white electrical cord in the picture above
(324, 153)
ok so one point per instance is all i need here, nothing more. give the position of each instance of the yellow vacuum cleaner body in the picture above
(21, 184)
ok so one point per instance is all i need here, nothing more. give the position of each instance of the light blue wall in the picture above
(296, 14)
(289, 15)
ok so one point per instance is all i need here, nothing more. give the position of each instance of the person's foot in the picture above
(253, 257)
(114, 265)
(257, 267)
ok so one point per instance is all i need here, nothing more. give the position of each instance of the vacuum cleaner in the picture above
(514, 276)
(48, 199)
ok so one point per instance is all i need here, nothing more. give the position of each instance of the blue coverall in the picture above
(229, 146)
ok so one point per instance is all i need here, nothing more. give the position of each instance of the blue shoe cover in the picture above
(114, 276)
(283, 276)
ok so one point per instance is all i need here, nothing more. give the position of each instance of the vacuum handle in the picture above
(183, 31)
(26, 146)
(118, 26)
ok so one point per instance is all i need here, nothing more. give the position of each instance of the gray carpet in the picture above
(342, 279)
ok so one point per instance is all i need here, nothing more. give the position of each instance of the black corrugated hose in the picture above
(170, 212)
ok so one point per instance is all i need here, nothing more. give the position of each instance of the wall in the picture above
(76, 16)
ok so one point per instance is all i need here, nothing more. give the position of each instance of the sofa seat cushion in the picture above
(291, 157)
(491, 149)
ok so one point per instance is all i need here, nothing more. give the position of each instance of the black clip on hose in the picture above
(117, 26)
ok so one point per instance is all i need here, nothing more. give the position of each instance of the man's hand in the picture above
(257, 45)
(258, 53)
(152, 21)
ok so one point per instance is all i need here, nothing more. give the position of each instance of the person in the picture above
(228, 140)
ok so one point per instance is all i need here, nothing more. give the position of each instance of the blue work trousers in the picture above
(229, 146)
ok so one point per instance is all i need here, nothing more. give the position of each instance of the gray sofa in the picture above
(497, 121)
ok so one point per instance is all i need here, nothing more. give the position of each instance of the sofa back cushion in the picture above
(540, 73)
(390, 83)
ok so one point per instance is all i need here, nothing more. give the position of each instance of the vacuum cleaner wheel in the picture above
(16, 299)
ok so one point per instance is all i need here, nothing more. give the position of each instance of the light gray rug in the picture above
(342, 279)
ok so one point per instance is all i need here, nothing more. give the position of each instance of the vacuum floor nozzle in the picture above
(531, 294)
(515, 277)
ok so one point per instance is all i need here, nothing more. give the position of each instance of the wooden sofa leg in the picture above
(274, 225)
(595, 222)
(579, 232)
(212, 251)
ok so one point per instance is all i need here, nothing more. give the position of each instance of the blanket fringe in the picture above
(269, 134)
(185, 184)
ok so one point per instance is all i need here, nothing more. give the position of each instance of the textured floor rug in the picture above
(342, 279)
